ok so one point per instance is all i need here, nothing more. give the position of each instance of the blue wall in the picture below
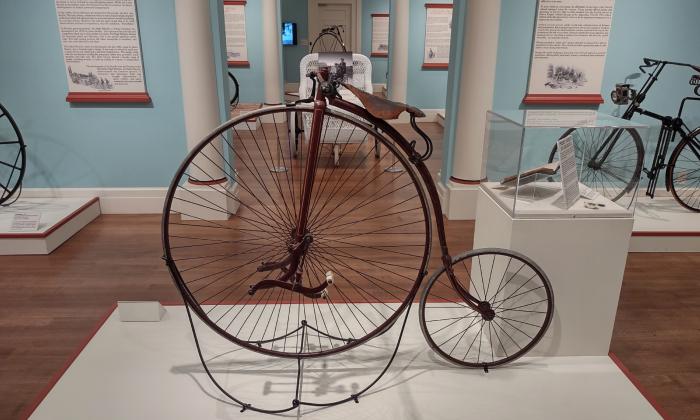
(91, 145)
(640, 28)
(295, 11)
(426, 88)
(379, 64)
(250, 78)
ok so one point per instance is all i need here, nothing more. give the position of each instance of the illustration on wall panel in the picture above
(90, 79)
(565, 77)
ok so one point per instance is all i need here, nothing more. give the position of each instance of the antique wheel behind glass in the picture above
(619, 172)
(684, 168)
(328, 42)
(12, 158)
(234, 89)
(517, 291)
(233, 206)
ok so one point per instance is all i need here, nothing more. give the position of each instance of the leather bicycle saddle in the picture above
(382, 108)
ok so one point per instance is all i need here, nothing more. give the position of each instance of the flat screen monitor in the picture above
(289, 33)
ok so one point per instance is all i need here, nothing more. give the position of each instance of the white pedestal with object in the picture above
(583, 256)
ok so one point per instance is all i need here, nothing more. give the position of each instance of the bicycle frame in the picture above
(670, 126)
(325, 95)
(418, 161)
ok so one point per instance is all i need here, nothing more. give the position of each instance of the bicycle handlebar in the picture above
(651, 62)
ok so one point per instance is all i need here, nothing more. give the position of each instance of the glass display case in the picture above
(523, 169)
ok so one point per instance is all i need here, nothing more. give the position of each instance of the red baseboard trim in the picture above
(380, 15)
(108, 97)
(212, 182)
(375, 54)
(29, 409)
(235, 2)
(465, 181)
(438, 5)
(232, 63)
(562, 99)
(660, 233)
(639, 386)
(39, 235)
(435, 66)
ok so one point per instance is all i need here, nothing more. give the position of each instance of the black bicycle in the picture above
(612, 162)
(330, 39)
(13, 158)
(234, 88)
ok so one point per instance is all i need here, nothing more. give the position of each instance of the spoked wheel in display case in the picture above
(329, 40)
(13, 158)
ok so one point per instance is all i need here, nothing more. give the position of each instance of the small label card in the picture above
(569, 173)
(25, 222)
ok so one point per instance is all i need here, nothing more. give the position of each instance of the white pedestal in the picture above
(583, 257)
(61, 218)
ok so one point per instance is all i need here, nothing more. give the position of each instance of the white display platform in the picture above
(545, 200)
(662, 225)
(584, 258)
(61, 218)
(151, 371)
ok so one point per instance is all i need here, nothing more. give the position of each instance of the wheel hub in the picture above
(487, 313)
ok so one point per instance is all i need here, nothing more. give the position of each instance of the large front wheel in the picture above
(230, 220)
(609, 160)
(684, 172)
(517, 299)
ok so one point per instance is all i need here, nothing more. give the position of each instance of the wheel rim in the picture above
(214, 262)
(518, 293)
(12, 157)
(685, 174)
(619, 173)
(327, 42)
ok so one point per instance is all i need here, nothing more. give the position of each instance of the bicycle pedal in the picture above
(329, 277)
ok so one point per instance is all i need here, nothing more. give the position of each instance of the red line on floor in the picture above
(639, 386)
(29, 409)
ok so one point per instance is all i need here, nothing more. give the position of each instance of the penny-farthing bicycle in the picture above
(329, 39)
(13, 158)
(302, 259)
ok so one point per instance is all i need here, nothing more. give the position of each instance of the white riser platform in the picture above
(61, 218)
(662, 225)
(150, 371)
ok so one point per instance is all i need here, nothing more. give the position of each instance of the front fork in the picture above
(292, 265)
(666, 137)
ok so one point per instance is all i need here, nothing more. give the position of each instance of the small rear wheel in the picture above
(684, 172)
(518, 302)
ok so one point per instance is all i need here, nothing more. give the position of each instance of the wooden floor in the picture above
(49, 303)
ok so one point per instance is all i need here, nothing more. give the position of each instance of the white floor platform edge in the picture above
(151, 371)
(61, 218)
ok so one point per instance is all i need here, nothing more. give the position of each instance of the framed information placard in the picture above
(101, 51)
(568, 53)
(380, 35)
(438, 28)
(236, 41)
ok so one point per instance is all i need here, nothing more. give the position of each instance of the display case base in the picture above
(662, 225)
(61, 218)
(584, 258)
(151, 371)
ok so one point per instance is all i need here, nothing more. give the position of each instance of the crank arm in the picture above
(274, 265)
(309, 292)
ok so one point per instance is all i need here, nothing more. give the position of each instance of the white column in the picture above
(477, 74)
(201, 106)
(398, 72)
(272, 50)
